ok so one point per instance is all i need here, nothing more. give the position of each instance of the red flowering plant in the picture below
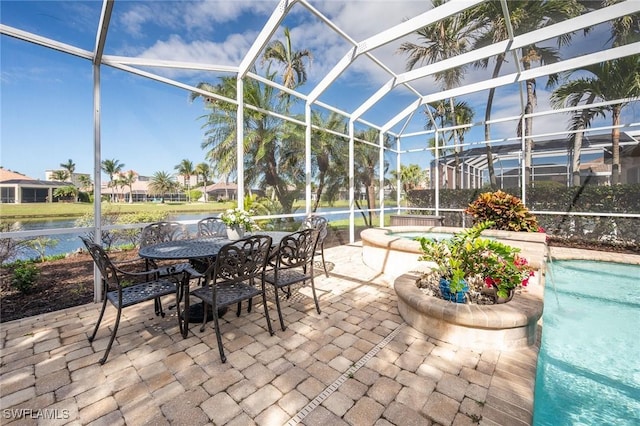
(507, 271)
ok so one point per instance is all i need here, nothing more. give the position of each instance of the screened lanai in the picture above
(329, 99)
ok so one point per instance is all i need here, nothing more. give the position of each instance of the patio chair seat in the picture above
(228, 294)
(139, 293)
(285, 277)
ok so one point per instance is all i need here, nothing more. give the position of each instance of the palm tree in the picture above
(185, 169)
(59, 175)
(462, 113)
(368, 169)
(203, 170)
(85, 182)
(271, 152)
(327, 150)
(444, 39)
(608, 81)
(111, 168)
(127, 179)
(70, 167)
(410, 176)
(294, 73)
(525, 16)
(535, 15)
(162, 183)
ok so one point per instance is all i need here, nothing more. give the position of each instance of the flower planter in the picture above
(504, 326)
(493, 292)
(235, 232)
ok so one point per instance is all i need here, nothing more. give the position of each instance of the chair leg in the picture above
(315, 298)
(205, 314)
(113, 336)
(324, 265)
(158, 307)
(275, 290)
(95, 330)
(266, 311)
(239, 310)
(223, 358)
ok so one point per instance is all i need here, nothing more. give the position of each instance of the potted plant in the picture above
(507, 212)
(468, 263)
(238, 222)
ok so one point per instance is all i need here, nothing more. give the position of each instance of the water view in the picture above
(67, 243)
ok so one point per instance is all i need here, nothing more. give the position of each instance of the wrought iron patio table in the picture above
(192, 249)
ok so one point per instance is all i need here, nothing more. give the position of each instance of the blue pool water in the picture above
(589, 363)
(414, 235)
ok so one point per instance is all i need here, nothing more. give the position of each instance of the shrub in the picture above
(25, 276)
(506, 211)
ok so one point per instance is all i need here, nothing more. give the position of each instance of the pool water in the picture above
(431, 235)
(589, 362)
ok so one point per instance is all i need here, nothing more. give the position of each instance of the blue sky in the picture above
(46, 96)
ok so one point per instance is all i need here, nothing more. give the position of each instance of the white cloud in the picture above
(228, 52)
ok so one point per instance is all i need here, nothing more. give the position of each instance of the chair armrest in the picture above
(154, 272)
(193, 273)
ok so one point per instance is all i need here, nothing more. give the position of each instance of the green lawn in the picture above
(39, 210)
(49, 210)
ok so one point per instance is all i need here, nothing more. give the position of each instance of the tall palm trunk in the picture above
(528, 130)
(487, 126)
(615, 145)
(457, 174)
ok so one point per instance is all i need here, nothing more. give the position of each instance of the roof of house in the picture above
(8, 175)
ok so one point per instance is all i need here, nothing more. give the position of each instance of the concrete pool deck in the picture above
(356, 363)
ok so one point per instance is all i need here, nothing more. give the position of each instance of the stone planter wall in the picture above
(505, 326)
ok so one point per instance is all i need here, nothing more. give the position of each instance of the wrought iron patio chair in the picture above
(320, 224)
(212, 227)
(160, 232)
(118, 290)
(236, 275)
(293, 264)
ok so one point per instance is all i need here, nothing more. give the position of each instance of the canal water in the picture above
(67, 243)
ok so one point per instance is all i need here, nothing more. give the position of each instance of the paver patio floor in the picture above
(356, 363)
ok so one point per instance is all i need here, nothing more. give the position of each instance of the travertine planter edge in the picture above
(505, 326)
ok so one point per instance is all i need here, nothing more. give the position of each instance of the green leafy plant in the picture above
(507, 212)
(25, 275)
(466, 257)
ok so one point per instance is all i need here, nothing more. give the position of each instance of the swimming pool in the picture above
(588, 366)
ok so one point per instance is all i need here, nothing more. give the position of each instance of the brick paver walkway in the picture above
(357, 363)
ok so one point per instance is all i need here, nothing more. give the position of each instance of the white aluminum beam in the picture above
(45, 42)
(387, 36)
(567, 65)
(547, 33)
(162, 63)
(265, 35)
(101, 36)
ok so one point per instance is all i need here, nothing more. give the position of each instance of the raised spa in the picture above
(505, 326)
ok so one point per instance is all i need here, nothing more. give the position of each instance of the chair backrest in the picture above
(240, 260)
(319, 223)
(160, 232)
(212, 227)
(103, 262)
(297, 249)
